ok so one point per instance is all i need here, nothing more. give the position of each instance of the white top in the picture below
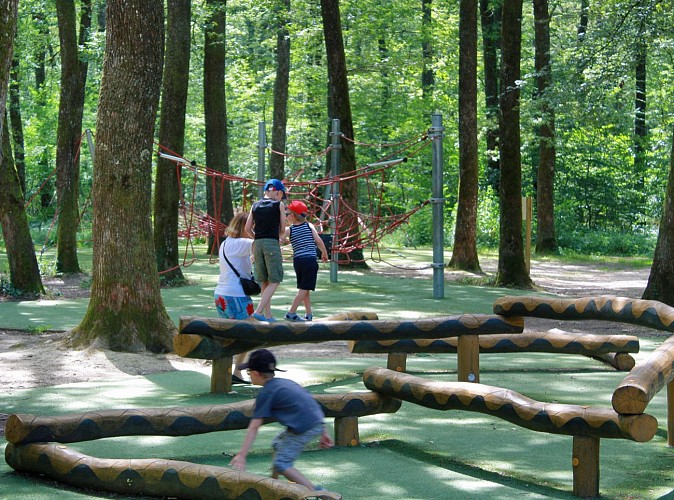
(238, 252)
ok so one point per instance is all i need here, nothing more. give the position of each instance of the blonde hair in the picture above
(236, 226)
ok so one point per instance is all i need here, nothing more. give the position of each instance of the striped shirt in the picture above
(302, 240)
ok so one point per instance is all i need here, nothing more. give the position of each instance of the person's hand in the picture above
(238, 462)
(324, 256)
(325, 441)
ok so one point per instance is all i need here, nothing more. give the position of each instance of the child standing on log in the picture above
(293, 406)
(305, 240)
(266, 224)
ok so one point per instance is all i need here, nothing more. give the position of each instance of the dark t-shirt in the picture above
(289, 403)
(267, 219)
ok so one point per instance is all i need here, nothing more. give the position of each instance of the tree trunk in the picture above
(660, 280)
(278, 131)
(339, 107)
(126, 312)
(218, 192)
(640, 128)
(172, 136)
(512, 271)
(16, 124)
(464, 254)
(71, 109)
(490, 15)
(427, 73)
(546, 239)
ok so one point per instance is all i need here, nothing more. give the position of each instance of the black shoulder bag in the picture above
(249, 285)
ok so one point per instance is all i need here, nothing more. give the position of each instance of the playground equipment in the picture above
(611, 349)
(30, 449)
(195, 337)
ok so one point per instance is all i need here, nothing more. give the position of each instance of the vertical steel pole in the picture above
(436, 133)
(261, 158)
(335, 170)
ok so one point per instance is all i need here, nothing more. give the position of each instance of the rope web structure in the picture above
(354, 228)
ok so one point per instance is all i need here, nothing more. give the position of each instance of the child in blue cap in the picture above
(266, 224)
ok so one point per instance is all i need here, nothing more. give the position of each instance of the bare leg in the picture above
(307, 302)
(296, 476)
(299, 298)
(264, 306)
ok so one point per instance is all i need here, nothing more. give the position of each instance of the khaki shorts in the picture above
(268, 260)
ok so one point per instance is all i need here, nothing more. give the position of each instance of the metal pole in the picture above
(261, 157)
(437, 202)
(335, 156)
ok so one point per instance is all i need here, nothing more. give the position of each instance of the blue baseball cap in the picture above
(275, 185)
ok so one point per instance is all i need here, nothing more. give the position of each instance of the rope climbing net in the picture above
(352, 230)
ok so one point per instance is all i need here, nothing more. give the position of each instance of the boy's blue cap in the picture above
(275, 185)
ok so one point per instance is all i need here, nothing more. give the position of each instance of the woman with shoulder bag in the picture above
(230, 299)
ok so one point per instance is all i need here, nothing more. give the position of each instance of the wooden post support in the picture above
(346, 431)
(468, 358)
(221, 375)
(585, 463)
(670, 413)
(397, 361)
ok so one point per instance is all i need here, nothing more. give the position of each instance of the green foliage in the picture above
(608, 243)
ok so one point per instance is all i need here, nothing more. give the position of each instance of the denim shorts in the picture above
(288, 446)
(268, 260)
(234, 307)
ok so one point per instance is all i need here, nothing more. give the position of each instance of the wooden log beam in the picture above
(203, 347)
(646, 379)
(585, 462)
(649, 313)
(288, 332)
(151, 476)
(508, 405)
(552, 341)
(183, 421)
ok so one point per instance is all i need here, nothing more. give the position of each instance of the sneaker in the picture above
(259, 317)
(293, 317)
(270, 319)
(308, 317)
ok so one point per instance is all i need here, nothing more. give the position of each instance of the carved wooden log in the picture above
(552, 341)
(156, 477)
(204, 347)
(621, 361)
(321, 331)
(640, 385)
(183, 421)
(509, 405)
(649, 313)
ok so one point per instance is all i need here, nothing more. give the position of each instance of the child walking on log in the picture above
(293, 406)
(304, 239)
(266, 224)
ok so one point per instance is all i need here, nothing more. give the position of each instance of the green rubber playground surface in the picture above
(416, 453)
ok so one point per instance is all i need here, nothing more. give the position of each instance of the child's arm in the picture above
(319, 243)
(248, 228)
(282, 229)
(239, 460)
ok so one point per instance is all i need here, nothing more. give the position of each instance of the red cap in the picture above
(298, 207)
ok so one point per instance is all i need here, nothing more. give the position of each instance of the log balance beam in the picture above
(586, 424)
(611, 349)
(31, 448)
(646, 379)
(241, 334)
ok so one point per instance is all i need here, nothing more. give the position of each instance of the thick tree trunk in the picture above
(71, 109)
(490, 15)
(24, 272)
(172, 136)
(278, 131)
(218, 192)
(546, 238)
(339, 107)
(512, 269)
(126, 312)
(464, 254)
(660, 280)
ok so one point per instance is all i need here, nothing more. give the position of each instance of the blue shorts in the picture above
(268, 260)
(288, 446)
(306, 270)
(234, 307)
